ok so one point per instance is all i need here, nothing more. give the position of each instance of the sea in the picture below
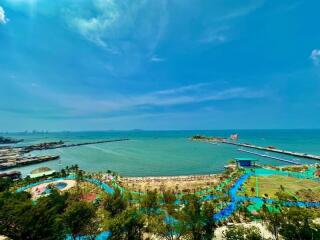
(164, 153)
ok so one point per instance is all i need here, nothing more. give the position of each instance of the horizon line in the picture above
(151, 130)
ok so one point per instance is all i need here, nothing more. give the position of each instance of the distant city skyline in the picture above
(159, 65)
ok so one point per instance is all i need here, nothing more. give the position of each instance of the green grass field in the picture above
(303, 189)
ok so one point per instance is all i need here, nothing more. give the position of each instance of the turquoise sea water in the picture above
(166, 152)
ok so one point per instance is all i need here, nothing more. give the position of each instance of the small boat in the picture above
(271, 147)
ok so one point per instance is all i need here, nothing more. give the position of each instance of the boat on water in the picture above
(271, 147)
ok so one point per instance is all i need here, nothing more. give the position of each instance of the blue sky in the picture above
(108, 64)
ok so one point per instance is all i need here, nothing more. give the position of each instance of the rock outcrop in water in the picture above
(5, 140)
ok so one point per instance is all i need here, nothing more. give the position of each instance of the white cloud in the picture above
(217, 36)
(118, 104)
(174, 97)
(315, 56)
(182, 89)
(157, 59)
(96, 27)
(220, 29)
(3, 19)
(23, 1)
(241, 12)
(120, 26)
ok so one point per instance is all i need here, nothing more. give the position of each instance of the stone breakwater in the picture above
(252, 146)
(15, 156)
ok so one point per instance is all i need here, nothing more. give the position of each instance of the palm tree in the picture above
(252, 190)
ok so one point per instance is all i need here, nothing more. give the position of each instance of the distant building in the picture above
(14, 175)
(41, 172)
(246, 162)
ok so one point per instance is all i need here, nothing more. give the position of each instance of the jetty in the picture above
(16, 156)
(268, 156)
(27, 161)
(248, 145)
(274, 150)
(61, 144)
(90, 143)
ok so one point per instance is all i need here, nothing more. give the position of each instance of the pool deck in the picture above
(37, 191)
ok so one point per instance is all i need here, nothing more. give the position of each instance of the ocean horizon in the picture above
(165, 153)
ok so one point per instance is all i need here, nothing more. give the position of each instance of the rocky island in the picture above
(5, 140)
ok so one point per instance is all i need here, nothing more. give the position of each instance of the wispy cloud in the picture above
(242, 11)
(157, 59)
(3, 18)
(117, 26)
(217, 36)
(220, 29)
(95, 28)
(315, 56)
(182, 89)
(286, 7)
(85, 106)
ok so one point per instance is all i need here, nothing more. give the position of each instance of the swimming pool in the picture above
(60, 185)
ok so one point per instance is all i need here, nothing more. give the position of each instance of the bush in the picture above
(242, 233)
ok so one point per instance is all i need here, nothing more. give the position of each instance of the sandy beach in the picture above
(188, 183)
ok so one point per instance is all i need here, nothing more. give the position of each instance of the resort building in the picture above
(246, 162)
(14, 175)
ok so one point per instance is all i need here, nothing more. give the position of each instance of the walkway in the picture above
(257, 201)
(105, 187)
(231, 207)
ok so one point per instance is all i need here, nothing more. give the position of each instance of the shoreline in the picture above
(170, 177)
(162, 177)
(185, 183)
(139, 158)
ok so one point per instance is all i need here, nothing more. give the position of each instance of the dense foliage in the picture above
(162, 214)
(243, 233)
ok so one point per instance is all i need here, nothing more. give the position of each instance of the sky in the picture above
(159, 65)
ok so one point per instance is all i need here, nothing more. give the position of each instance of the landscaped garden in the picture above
(269, 186)
(77, 204)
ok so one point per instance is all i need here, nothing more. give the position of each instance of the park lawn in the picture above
(271, 184)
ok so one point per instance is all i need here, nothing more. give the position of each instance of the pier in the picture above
(268, 156)
(90, 143)
(61, 144)
(11, 157)
(27, 161)
(247, 145)
(269, 149)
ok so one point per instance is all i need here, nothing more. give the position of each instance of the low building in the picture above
(41, 174)
(14, 175)
(246, 162)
